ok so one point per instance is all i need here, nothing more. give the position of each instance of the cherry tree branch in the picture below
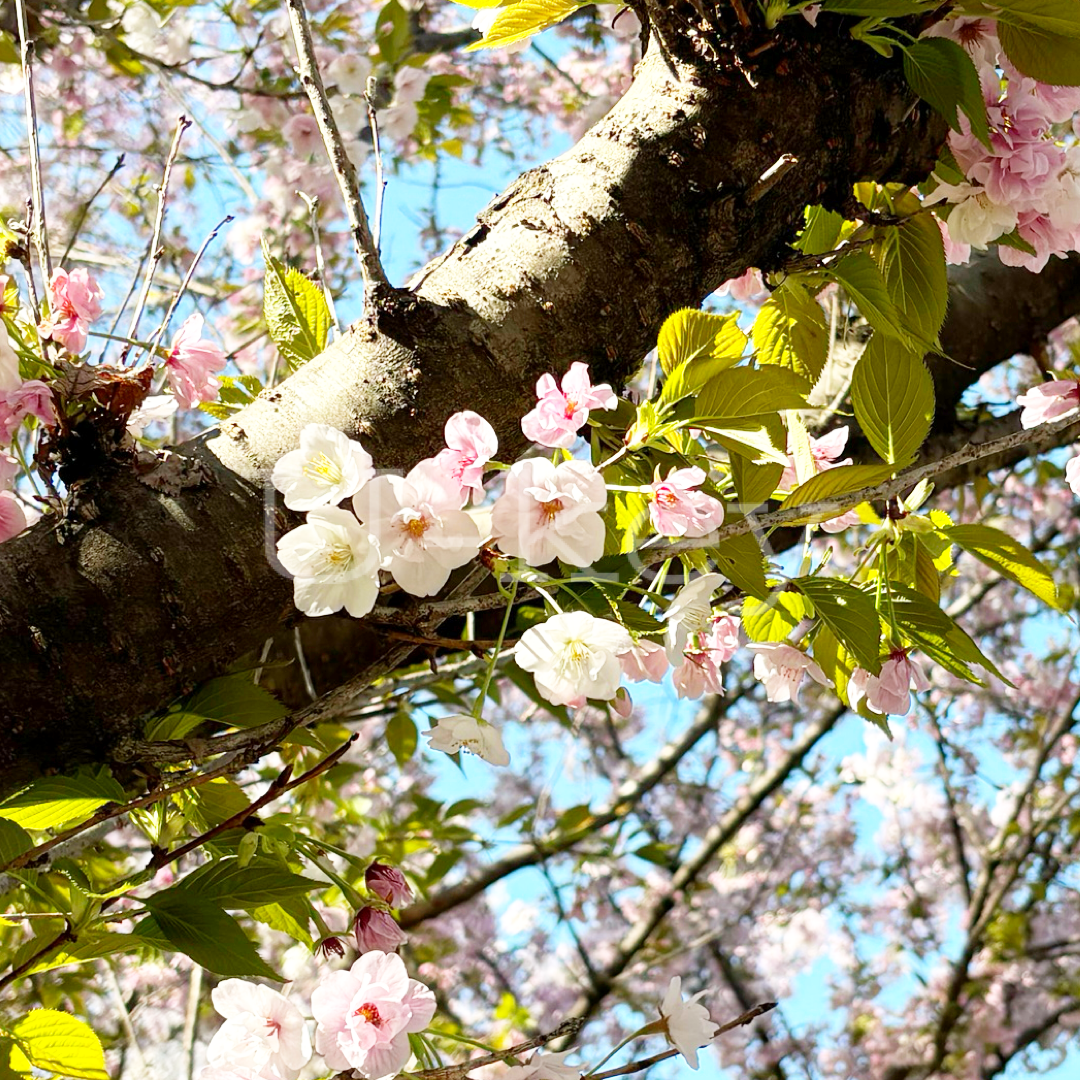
(39, 230)
(367, 251)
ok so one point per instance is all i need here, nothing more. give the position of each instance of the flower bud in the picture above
(330, 946)
(388, 883)
(622, 704)
(376, 930)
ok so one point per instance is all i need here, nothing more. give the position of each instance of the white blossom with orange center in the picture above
(420, 526)
(551, 511)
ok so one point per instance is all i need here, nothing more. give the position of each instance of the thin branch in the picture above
(85, 208)
(367, 252)
(40, 233)
(380, 179)
(312, 202)
(182, 124)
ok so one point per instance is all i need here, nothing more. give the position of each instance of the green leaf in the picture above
(833, 483)
(689, 335)
(392, 31)
(893, 397)
(207, 934)
(14, 841)
(402, 736)
(523, 19)
(751, 392)
(754, 483)
(691, 375)
(295, 312)
(172, 725)
(877, 9)
(210, 804)
(864, 284)
(235, 700)
(56, 800)
(850, 614)
(740, 560)
(922, 623)
(60, 1043)
(790, 330)
(774, 617)
(1049, 58)
(942, 73)
(1008, 557)
(913, 262)
(821, 232)
(290, 918)
(1051, 16)
(90, 946)
(227, 884)
(927, 577)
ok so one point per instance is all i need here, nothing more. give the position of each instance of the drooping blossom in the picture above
(685, 1024)
(722, 637)
(377, 930)
(327, 467)
(697, 675)
(677, 508)
(543, 1067)
(387, 883)
(420, 526)
(471, 443)
(782, 667)
(560, 412)
(573, 656)
(1048, 401)
(1072, 474)
(689, 613)
(890, 692)
(191, 363)
(823, 455)
(74, 303)
(263, 1031)
(31, 398)
(551, 511)
(645, 660)
(749, 286)
(461, 732)
(330, 946)
(334, 561)
(366, 1014)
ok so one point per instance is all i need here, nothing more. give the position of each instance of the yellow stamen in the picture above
(322, 470)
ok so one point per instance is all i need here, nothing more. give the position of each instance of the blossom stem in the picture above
(647, 1030)
(478, 707)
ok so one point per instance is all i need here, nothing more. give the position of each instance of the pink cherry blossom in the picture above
(677, 508)
(32, 398)
(1072, 474)
(420, 527)
(191, 362)
(749, 286)
(646, 660)
(74, 303)
(365, 1015)
(823, 452)
(551, 511)
(263, 1032)
(375, 929)
(12, 516)
(722, 638)
(388, 883)
(559, 413)
(1045, 235)
(1048, 401)
(890, 692)
(471, 443)
(698, 674)
(302, 133)
(782, 667)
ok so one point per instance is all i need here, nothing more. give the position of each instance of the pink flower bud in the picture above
(388, 883)
(330, 946)
(622, 704)
(376, 931)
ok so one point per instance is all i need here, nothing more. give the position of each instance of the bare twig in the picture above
(380, 179)
(375, 279)
(40, 233)
(85, 208)
(312, 202)
(182, 124)
(566, 1030)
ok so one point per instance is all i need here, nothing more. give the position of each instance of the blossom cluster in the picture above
(1027, 180)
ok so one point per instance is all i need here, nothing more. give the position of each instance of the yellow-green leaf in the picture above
(831, 484)
(751, 392)
(523, 19)
(774, 617)
(1008, 557)
(690, 335)
(850, 614)
(61, 1043)
(1049, 58)
(913, 262)
(295, 311)
(791, 330)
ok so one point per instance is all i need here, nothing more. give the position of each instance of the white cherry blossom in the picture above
(327, 467)
(263, 1032)
(574, 656)
(782, 667)
(690, 612)
(461, 732)
(551, 511)
(334, 562)
(685, 1024)
(420, 526)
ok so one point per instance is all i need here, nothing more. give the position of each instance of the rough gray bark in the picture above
(150, 586)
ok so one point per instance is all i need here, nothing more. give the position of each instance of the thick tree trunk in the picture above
(156, 582)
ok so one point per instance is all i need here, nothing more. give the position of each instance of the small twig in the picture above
(160, 332)
(182, 124)
(567, 1029)
(125, 1019)
(41, 238)
(305, 671)
(191, 1020)
(65, 935)
(380, 179)
(375, 280)
(85, 208)
(320, 264)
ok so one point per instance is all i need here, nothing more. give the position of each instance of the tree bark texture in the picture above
(158, 580)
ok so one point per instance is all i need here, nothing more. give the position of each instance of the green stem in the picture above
(478, 708)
